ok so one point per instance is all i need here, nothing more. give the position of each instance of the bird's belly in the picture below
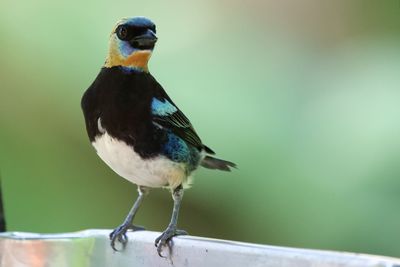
(154, 172)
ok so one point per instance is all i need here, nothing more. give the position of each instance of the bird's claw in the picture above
(165, 237)
(119, 234)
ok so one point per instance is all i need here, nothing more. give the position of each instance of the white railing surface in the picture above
(91, 248)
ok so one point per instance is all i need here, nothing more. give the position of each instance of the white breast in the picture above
(155, 172)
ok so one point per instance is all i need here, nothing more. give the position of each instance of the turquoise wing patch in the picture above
(162, 108)
(167, 115)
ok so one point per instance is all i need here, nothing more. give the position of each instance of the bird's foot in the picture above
(166, 236)
(119, 234)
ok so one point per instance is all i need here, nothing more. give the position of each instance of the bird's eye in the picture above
(122, 32)
(153, 28)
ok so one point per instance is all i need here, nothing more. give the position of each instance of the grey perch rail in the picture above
(91, 248)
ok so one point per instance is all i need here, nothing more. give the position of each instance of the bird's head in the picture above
(131, 43)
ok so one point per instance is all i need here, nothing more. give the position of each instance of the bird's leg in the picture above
(120, 232)
(171, 230)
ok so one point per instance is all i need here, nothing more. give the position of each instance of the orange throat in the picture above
(137, 60)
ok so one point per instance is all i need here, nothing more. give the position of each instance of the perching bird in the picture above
(137, 130)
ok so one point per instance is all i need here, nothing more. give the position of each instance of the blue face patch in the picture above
(162, 108)
(125, 48)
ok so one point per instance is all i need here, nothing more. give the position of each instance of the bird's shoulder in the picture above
(166, 114)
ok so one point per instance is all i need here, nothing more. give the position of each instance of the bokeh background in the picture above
(302, 95)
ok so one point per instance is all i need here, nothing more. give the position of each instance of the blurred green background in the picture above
(302, 95)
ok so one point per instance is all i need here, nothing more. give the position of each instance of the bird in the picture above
(138, 131)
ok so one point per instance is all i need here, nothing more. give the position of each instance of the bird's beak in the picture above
(145, 41)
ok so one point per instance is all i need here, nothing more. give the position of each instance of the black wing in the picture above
(167, 115)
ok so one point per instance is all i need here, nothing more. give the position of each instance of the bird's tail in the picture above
(217, 164)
